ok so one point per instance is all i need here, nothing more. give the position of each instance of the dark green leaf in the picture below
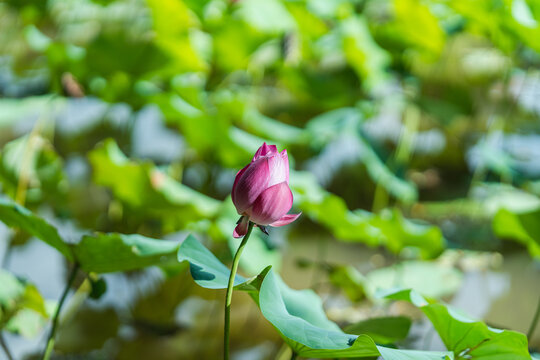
(16, 216)
(103, 253)
(98, 288)
(206, 269)
(383, 330)
(88, 329)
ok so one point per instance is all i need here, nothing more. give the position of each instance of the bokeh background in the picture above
(412, 126)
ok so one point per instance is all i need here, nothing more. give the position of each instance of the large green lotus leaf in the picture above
(523, 227)
(298, 315)
(16, 216)
(206, 269)
(103, 253)
(465, 337)
(300, 318)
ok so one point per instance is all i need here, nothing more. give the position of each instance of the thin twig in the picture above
(5, 347)
(50, 340)
(534, 321)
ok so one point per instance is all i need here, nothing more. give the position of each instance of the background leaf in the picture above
(22, 308)
(16, 216)
(103, 253)
(466, 337)
(383, 330)
(521, 226)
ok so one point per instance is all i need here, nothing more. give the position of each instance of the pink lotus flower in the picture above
(261, 191)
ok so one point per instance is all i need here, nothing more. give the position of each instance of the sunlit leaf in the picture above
(22, 309)
(173, 23)
(467, 338)
(411, 20)
(521, 226)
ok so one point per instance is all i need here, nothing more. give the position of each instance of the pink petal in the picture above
(285, 220)
(285, 158)
(238, 176)
(241, 229)
(250, 183)
(265, 150)
(279, 168)
(271, 204)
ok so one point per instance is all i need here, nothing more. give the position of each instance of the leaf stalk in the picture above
(230, 286)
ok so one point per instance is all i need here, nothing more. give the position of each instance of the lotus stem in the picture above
(230, 286)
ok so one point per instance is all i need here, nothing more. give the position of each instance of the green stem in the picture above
(293, 355)
(50, 340)
(5, 347)
(230, 286)
(534, 322)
